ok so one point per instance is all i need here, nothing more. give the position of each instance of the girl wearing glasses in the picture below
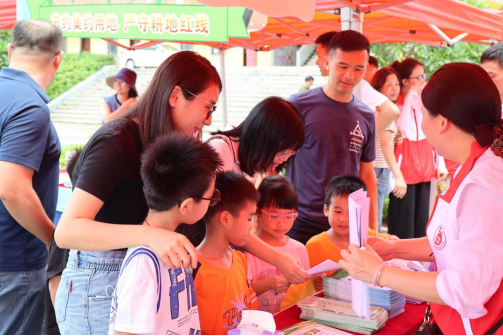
(124, 84)
(416, 157)
(269, 136)
(101, 219)
(276, 212)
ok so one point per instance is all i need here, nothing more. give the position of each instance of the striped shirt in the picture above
(380, 162)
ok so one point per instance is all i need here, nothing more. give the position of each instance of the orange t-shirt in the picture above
(320, 248)
(222, 294)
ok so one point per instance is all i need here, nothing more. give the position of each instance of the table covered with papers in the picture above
(405, 323)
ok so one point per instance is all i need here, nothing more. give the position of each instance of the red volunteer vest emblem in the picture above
(440, 239)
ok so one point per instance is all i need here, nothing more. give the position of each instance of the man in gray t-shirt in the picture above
(340, 135)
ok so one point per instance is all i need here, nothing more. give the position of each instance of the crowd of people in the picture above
(164, 233)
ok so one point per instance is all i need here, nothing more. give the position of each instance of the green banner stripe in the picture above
(148, 22)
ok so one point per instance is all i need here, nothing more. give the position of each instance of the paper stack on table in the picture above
(358, 207)
(338, 286)
(312, 328)
(340, 314)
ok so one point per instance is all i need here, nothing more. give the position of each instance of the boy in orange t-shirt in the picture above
(220, 280)
(328, 244)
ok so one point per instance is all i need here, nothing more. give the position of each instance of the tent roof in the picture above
(7, 14)
(407, 22)
(403, 21)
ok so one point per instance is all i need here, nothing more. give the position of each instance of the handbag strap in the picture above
(427, 315)
(495, 327)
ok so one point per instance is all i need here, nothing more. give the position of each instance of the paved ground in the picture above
(73, 134)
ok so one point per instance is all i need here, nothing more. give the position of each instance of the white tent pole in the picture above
(224, 88)
(367, 9)
(447, 39)
(352, 20)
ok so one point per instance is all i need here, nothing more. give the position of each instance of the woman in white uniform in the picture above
(462, 120)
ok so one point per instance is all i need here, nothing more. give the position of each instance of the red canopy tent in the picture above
(385, 21)
(7, 14)
(431, 22)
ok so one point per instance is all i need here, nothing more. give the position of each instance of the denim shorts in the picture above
(84, 295)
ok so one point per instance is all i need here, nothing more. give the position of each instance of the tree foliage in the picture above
(484, 4)
(433, 57)
(5, 38)
(74, 69)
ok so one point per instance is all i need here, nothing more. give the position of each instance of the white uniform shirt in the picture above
(466, 237)
(370, 96)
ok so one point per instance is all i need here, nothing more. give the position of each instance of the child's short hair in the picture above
(236, 191)
(343, 185)
(277, 191)
(175, 167)
(72, 161)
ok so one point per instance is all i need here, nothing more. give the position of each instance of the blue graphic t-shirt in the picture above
(150, 298)
(338, 136)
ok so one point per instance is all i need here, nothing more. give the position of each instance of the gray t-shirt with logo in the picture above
(338, 136)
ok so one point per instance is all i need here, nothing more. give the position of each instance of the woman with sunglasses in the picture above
(416, 157)
(100, 221)
(124, 84)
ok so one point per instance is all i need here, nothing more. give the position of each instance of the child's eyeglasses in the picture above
(276, 217)
(214, 199)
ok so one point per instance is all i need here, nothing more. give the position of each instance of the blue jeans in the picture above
(22, 302)
(84, 295)
(382, 175)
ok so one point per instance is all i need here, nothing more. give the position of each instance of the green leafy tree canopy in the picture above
(5, 39)
(433, 57)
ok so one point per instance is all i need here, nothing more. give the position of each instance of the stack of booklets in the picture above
(338, 286)
(312, 328)
(340, 314)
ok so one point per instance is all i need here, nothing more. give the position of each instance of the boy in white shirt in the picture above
(178, 173)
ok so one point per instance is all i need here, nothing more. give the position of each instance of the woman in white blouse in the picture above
(462, 120)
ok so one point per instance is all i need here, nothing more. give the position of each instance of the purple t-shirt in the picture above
(338, 136)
